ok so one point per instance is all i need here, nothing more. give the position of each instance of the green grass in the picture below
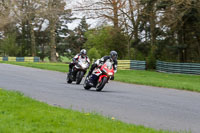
(61, 67)
(62, 58)
(20, 114)
(177, 81)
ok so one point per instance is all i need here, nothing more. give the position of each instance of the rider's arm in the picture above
(75, 58)
(103, 59)
(97, 62)
(115, 66)
(88, 60)
(100, 61)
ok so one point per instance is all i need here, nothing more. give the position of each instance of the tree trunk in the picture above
(43, 53)
(180, 43)
(129, 49)
(23, 53)
(152, 35)
(198, 46)
(115, 11)
(134, 22)
(33, 45)
(152, 28)
(53, 43)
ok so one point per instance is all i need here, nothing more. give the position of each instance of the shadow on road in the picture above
(92, 89)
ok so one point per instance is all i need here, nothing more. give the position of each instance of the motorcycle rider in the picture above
(81, 55)
(113, 58)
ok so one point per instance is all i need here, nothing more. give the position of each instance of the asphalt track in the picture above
(154, 107)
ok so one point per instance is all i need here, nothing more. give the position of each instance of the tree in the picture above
(76, 39)
(131, 21)
(106, 39)
(93, 54)
(9, 45)
(109, 10)
(80, 33)
(5, 17)
(42, 39)
(62, 33)
(54, 11)
(26, 13)
(100, 39)
(181, 17)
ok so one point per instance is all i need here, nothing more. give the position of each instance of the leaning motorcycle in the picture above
(99, 77)
(78, 71)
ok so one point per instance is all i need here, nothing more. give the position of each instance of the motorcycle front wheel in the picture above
(101, 84)
(79, 77)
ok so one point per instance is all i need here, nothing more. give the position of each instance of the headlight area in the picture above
(84, 66)
(110, 73)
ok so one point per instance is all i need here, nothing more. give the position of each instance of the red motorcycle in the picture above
(100, 76)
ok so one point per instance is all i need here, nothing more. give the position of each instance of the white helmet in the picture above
(83, 52)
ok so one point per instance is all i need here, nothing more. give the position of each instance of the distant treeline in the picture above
(167, 30)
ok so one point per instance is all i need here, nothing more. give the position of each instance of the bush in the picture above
(137, 55)
(9, 45)
(93, 54)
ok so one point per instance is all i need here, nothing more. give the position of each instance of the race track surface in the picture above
(154, 107)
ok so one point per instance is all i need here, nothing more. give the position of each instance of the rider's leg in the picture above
(70, 67)
(91, 69)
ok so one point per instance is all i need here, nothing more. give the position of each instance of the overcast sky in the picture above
(70, 5)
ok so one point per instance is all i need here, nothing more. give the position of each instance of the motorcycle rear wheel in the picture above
(69, 81)
(101, 84)
(85, 85)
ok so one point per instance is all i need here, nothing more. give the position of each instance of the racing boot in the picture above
(89, 73)
(91, 70)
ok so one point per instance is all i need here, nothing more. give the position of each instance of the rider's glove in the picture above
(88, 65)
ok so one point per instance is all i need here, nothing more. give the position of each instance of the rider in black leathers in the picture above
(113, 58)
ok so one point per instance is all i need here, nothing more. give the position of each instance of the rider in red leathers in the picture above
(113, 59)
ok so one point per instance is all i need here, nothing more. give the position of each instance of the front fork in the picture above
(101, 76)
(95, 81)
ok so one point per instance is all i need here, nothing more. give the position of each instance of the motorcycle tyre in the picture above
(101, 84)
(86, 86)
(69, 81)
(79, 77)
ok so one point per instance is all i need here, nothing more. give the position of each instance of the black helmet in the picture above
(83, 52)
(113, 55)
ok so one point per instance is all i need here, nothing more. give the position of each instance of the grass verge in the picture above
(19, 114)
(152, 78)
(178, 81)
(61, 67)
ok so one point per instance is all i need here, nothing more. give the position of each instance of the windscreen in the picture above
(109, 65)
